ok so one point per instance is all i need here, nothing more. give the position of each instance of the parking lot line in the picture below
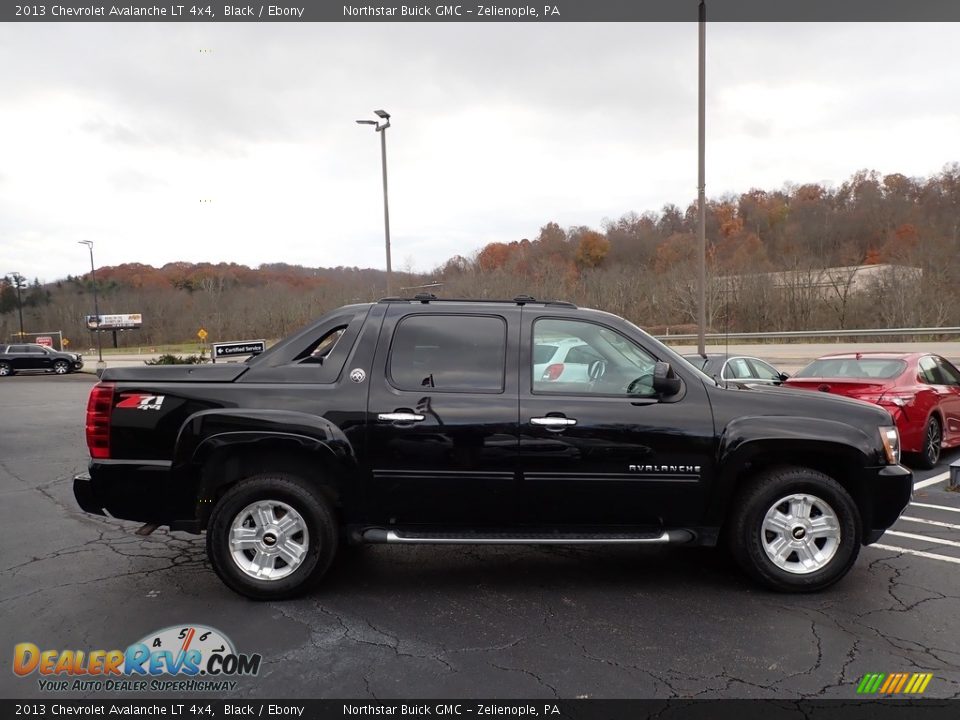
(931, 480)
(930, 522)
(918, 553)
(937, 507)
(914, 536)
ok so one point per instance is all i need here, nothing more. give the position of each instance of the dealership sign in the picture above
(238, 347)
(115, 322)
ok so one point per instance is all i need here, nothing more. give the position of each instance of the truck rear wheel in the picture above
(271, 536)
(795, 529)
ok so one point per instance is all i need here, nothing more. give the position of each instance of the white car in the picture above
(563, 360)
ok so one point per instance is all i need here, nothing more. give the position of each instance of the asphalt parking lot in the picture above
(504, 622)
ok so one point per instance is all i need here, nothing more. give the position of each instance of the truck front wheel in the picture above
(795, 529)
(271, 536)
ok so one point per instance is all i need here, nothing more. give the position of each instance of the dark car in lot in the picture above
(422, 420)
(741, 370)
(30, 357)
(920, 390)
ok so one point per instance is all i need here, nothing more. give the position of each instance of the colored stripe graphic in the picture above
(894, 684)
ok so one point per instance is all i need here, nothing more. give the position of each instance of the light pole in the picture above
(96, 305)
(18, 282)
(381, 127)
(701, 184)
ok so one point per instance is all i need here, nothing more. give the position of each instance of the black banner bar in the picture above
(188, 709)
(496, 11)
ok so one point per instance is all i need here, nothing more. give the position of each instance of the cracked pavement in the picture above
(456, 622)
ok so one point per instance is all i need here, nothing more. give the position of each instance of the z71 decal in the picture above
(138, 401)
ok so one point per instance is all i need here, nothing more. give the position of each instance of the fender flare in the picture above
(746, 438)
(210, 431)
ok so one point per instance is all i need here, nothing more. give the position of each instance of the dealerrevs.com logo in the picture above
(178, 659)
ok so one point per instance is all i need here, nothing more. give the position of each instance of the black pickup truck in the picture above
(453, 421)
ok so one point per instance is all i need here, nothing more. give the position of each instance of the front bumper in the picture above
(889, 493)
(141, 491)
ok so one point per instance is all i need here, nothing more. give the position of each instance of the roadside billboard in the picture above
(130, 321)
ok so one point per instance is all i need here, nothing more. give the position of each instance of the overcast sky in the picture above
(116, 132)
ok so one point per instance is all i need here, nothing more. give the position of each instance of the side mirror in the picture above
(784, 377)
(665, 381)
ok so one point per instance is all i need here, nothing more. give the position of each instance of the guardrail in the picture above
(788, 334)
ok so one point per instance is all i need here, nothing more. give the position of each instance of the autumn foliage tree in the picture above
(642, 265)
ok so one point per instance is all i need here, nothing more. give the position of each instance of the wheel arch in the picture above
(754, 445)
(226, 460)
(212, 455)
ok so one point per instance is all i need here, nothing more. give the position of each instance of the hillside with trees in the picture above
(641, 266)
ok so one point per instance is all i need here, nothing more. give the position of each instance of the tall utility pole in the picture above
(381, 127)
(18, 283)
(96, 305)
(701, 187)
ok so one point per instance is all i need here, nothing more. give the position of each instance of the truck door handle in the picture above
(553, 422)
(400, 417)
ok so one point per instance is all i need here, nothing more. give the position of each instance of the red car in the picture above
(921, 392)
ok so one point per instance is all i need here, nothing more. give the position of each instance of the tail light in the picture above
(99, 408)
(900, 399)
(552, 372)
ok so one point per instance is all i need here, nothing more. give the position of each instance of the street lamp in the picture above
(96, 305)
(701, 180)
(381, 127)
(18, 282)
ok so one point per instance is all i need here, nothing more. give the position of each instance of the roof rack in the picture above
(427, 298)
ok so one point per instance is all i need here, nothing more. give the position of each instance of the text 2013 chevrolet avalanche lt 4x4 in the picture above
(424, 421)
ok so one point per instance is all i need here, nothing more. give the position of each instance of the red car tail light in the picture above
(552, 372)
(99, 409)
(900, 399)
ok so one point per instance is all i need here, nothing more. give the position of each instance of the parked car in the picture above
(424, 421)
(921, 391)
(30, 357)
(563, 360)
(738, 369)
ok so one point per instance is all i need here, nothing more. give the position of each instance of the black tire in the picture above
(929, 455)
(61, 367)
(6, 369)
(321, 533)
(748, 537)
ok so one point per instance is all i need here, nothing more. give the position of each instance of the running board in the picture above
(410, 537)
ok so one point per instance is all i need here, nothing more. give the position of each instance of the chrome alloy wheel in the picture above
(61, 368)
(800, 533)
(268, 540)
(932, 442)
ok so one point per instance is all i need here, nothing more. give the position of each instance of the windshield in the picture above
(698, 361)
(865, 368)
(673, 356)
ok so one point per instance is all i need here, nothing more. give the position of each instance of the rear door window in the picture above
(737, 368)
(928, 371)
(449, 353)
